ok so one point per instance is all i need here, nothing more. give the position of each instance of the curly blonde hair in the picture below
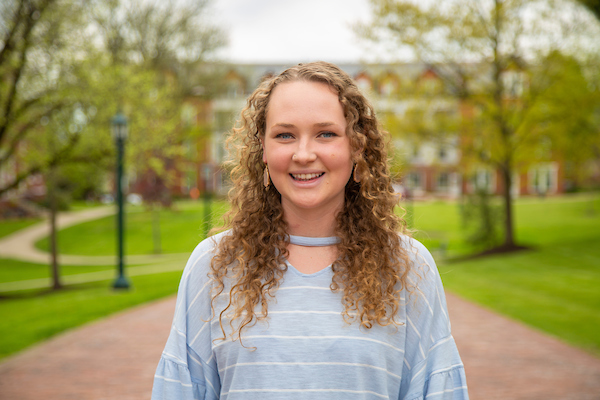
(372, 266)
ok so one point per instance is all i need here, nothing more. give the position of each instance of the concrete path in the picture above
(20, 245)
(115, 359)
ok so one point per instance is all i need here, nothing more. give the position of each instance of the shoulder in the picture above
(208, 245)
(198, 265)
(421, 259)
(195, 283)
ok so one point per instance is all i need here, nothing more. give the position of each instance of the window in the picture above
(483, 180)
(543, 179)
(415, 152)
(188, 115)
(413, 180)
(363, 82)
(443, 181)
(443, 153)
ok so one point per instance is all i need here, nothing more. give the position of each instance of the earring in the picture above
(266, 177)
(355, 174)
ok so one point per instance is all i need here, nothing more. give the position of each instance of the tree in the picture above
(487, 54)
(567, 117)
(44, 42)
(37, 54)
(60, 85)
(40, 101)
(167, 44)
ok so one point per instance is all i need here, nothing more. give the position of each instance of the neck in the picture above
(309, 222)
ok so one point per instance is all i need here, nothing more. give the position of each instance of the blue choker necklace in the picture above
(314, 241)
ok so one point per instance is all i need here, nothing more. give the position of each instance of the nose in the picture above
(304, 153)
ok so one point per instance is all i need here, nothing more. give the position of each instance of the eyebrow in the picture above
(318, 125)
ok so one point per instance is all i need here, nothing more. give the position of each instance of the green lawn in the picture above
(13, 270)
(539, 221)
(12, 225)
(182, 228)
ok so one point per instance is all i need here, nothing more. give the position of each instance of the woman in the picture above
(312, 293)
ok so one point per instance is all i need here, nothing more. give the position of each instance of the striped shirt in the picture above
(304, 349)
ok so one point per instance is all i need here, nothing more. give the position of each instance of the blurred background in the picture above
(493, 110)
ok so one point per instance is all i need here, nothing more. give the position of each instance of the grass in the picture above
(13, 270)
(539, 222)
(8, 226)
(31, 316)
(182, 228)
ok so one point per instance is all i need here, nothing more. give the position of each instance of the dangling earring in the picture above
(355, 174)
(266, 177)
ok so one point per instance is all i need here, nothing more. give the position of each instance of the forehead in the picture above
(304, 99)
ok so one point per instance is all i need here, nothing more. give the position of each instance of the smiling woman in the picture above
(315, 291)
(308, 155)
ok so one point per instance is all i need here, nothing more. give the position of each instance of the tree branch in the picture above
(9, 39)
(58, 158)
(12, 92)
(18, 137)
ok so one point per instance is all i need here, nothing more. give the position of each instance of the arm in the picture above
(433, 368)
(187, 370)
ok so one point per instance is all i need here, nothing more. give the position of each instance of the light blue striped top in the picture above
(305, 350)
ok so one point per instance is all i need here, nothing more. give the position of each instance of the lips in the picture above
(306, 177)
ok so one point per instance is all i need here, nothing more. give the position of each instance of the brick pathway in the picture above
(115, 359)
(507, 360)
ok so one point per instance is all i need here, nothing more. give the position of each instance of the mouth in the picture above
(306, 177)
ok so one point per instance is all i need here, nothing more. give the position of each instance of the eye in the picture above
(284, 136)
(327, 134)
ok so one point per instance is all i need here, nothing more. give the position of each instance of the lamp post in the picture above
(119, 130)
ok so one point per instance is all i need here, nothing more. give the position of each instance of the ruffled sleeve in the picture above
(187, 369)
(433, 368)
(173, 381)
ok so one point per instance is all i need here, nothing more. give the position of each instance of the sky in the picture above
(272, 31)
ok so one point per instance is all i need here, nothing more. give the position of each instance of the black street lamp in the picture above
(119, 130)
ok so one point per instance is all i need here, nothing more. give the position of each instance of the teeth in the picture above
(306, 177)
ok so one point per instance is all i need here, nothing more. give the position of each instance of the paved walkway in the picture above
(20, 245)
(115, 359)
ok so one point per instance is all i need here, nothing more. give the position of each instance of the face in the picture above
(306, 147)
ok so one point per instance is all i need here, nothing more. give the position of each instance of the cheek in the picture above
(342, 163)
(278, 160)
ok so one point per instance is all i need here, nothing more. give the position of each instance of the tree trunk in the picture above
(54, 266)
(156, 228)
(509, 240)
